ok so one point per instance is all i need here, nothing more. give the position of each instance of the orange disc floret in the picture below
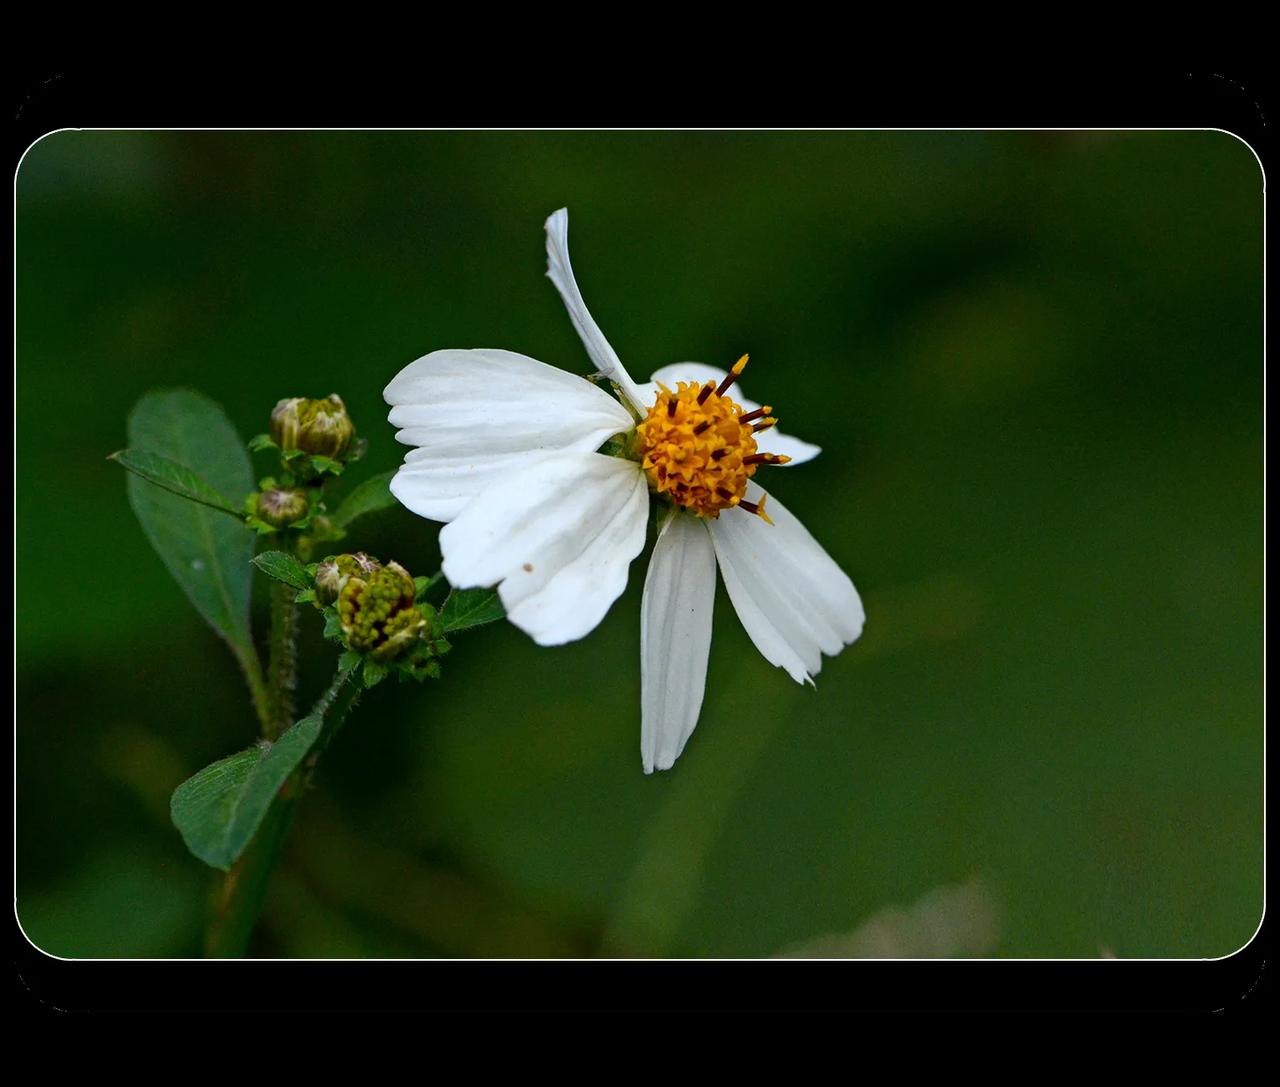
(699, 448)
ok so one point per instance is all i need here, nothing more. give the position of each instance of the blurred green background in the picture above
(1034, 361)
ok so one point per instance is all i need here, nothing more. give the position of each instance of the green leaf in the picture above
(283, 567)
(321, 464)
(219, 809)
(470, 608)
(173, 477)
(422, 587)
(374, 673)
(369, 497)
(206, 552)
(348, 660)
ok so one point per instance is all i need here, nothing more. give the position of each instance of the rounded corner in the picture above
(53, 956)
(1262, 170)
(42, 138)
(1262, 917)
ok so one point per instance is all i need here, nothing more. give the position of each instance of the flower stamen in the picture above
(755, 414)
(698, 446)
(757, 508)
(732, 375)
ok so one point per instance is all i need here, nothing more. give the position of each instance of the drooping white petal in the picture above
(560, 272)
(793, 600)
(477, 415)
(675, 638)
(767, 441)
(556, 537)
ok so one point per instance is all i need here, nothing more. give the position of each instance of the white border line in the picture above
(126, 130)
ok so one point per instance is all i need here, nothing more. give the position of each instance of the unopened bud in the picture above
(378, 614)
(333, 574)
(320, 427)
(281, 506)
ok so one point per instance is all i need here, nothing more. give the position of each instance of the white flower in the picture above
(506, 452)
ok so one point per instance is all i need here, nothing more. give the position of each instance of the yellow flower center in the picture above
(698, 446)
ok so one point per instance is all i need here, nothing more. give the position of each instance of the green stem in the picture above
(337, 702)
(282, 671)
(251, 665)
(245, 888)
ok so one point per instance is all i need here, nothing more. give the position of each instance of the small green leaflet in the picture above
(283, 567)
(369, 497)
(173, 477)
(470, 608)
(423, 586)
(219, 809)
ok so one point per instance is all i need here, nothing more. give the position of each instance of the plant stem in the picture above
(282, 669)
(251, 665)
(245, 888)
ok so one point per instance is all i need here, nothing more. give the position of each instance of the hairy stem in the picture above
(282, 670)
(251, 665)
(245, 889)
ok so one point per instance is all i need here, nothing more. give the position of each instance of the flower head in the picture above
(507, 451)
(320, 427)
(280, 507)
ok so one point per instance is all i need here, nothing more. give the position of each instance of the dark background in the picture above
(1034, 362)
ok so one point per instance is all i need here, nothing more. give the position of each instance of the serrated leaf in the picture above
(174, 478)
(469, 608)
(369, 497)
(206, 552)
(283, 567)
(219, 809)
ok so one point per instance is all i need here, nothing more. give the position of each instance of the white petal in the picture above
(767, 441)
(675, 638)
(774, 441)
(793, 600)
(556, 538)
(560, 272)
(478, 415)
(698, 372)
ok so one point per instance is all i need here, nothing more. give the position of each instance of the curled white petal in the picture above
(560, 272)
(675, 638)
(792, 598)
(477, 415)
(556, 538)
(767, 441)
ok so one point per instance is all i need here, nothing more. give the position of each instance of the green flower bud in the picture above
(334, 573)
(281, 506)
(401, 631)
(320, 427)
(377, 612)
